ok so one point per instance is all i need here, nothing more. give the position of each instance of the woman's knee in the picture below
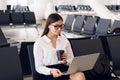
(77, 76)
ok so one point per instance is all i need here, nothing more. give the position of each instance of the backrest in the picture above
(17, 18)
(4, 45)
(115, 27)
(78, 24)
(66, 8)
(29, 18)
(35, 75)
(3, 40)
(102, 27)
(101, 69)
(25, 63)
(84, 46)
(1, 11)
(68, 22)
(116, 23)
(8, 7)
(114, 48)
(4, 18)
(89, 27)
(10, 68)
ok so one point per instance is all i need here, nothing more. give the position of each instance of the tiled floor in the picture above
(29, 33)
(28, 78)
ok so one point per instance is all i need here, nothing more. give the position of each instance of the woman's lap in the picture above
(62, 68)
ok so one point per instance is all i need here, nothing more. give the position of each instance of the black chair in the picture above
(109, 7)
(8, 7)
(3, 39)
(89, 27)
(114, 45)
(17, 18)
(103, 27)
(115, 29)
(1, 11)
(29, 19)
(80, 7)
(23, 54)
(78, 24)
(101, 70)
(4, 18)
(4, 45)
(84, 46)
(10, 67)
(35, 75)
(88, 8)
(68, 22)
(66, 8)
(98, 18)
(105, 44)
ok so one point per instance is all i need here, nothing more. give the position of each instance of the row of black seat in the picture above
(60, 8)
(113, 7)
(89, 25)
(17, 18)
(11, 64)
(108, 46)
(86, 46)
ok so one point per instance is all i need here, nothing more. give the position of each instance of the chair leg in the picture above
(37, 27)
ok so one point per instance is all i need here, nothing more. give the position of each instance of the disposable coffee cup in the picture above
(59, 55)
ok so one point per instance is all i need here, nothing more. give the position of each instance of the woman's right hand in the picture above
(56, 72)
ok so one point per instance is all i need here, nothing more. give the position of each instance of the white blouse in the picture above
(45, 53)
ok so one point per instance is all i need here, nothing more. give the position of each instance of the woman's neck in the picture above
(50, 36)
(53, 39)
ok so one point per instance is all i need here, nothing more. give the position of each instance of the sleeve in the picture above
(69, 52)
(38, 56)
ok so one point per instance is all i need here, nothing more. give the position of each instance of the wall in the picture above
(3, 4)
(40, 8)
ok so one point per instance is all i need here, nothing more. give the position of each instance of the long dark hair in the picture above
(51, 19)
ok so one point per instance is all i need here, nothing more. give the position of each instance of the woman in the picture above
(45, 51)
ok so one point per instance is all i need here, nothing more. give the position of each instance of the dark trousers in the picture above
(62, 68)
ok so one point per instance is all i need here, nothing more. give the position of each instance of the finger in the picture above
(64, 54)
(59, 72)
(63, 57)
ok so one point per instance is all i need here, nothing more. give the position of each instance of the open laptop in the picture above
(83, 63)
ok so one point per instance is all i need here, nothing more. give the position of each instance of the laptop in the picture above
(82, 63)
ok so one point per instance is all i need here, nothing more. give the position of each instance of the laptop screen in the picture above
(83, 63)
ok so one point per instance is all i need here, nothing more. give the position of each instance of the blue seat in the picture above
(103, 27)
(78, 24)
(89, 27)
(115, 29)
(68, 22)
